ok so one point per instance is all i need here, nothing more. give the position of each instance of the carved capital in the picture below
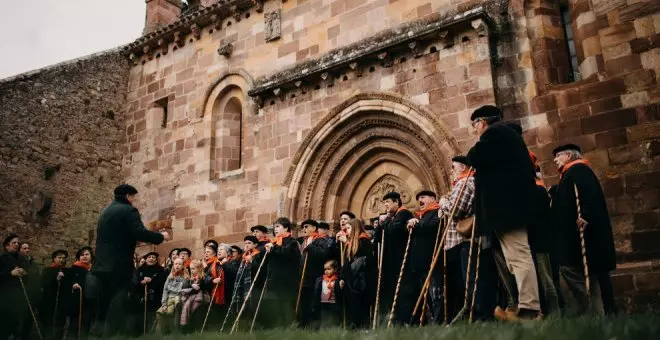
(226, 49)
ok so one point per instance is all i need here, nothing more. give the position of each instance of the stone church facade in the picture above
(236, 112)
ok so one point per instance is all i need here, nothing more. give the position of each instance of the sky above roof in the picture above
(39, 33)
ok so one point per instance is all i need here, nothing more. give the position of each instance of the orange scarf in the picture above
(86, 266)
(565, 168)
(212, 262)
(280, 238)
(218, 294)
(187, 262)
(331, 280)
(540, 183)
(432, 206)
(464, 174)
(54, 265)
(250, 253)
(534, 159)
(363, 235)
(264, 238)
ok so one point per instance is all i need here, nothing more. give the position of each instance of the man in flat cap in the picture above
(316, 251)
(579, 184)
(262, 235)
(504, 189)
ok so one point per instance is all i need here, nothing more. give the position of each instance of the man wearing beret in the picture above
(425, 225)
(316, 250)
(579, 183)
(119, 229)
(55, 293)
(152, 276)
(261, 233)
(504, 189)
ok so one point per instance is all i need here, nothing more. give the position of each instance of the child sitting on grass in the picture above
(327, 303)
(168, 312)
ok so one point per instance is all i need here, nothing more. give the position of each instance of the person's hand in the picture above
(341, 284)
(166, 235)
(269, 246)
(60, 275)
(18, 272)
(217, 280)
(443, 201)
(248, 259)
(581, 223)
(382, 218)
(76, 286)
(146, 280)
(341, 237)
(195, 286)
(412, 223)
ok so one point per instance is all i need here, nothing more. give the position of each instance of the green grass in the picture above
(639, 327)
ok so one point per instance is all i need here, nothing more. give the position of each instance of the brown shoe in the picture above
(505, 315)
(530, 315)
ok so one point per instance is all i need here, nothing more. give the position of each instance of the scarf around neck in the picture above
(430, 207)
(568, 165)
(80, 264)
(279, 239)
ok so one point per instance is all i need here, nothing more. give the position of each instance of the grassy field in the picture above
(640, 327)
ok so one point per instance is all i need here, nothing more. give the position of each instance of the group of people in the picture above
(494, 247)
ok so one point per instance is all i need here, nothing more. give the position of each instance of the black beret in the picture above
(516, 127)
(460, 159)
(8, 239)
(426, 193)
(260, 228)
(213, 242)
(566, 147)
(393, 195)
(251, 238)
(185, 250)
(58, 252)
(486, 111)
(348, 213)
(212, 246)
(309, 222)
(125, 189)
(149, 254)
(236, 248)
(324, 225)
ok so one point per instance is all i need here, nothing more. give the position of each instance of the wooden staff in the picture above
(27, 299)
(435, 248)
(467, 279)
(208, 310)
(233, 295)
(80, 312)
(380, 278)
(302, 279)
(444, 286)
(261, 296)
(57, 301)
(476, 279)
(398, 282)
(441, 245)
(583, 244)
(144, 316)
(341, 259)
(240, 312)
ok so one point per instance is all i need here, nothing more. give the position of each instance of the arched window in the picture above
(226, 141)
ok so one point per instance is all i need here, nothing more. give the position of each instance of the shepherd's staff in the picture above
(398, 282)
(476, 279)
(208, 310)
(587, 282)
(144, 316)
(380, 277)
(444, 286)
(237, 281)
(435, 248)
(467, 278)
(341, 259)
(247, 296)
(261, 296)
(302, 279)
(440, 247)
(57, 300)
(80, 312)
(27, 299)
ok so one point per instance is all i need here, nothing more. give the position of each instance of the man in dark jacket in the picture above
(394, 225)
(316, 251)
(504, 190)
(13, 266)
(579, 184)
(119, 229)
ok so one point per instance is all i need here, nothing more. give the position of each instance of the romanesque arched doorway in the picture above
(371, 144)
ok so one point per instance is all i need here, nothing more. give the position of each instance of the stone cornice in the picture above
(408, 37)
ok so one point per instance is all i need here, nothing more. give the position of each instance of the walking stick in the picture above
(247, 296)
(444, 286)
(27, 299)
(341, 259)
(476, 279)
(261, 296)
(80, 312)
(587, 282)
(302, 279)
(208, 310)
(467, 279)
(57, 302)
(237, 281)
(144, 317)
(435, 249)
(398, 282)
(380, 278)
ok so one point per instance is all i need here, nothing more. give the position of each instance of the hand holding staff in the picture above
(581, 225)
(302, 279)
(380, 278)
(247, 296)
(208, 310)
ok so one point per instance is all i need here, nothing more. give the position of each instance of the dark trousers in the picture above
(484, 300)
(304, 309)
(607, 293)
(110, 287)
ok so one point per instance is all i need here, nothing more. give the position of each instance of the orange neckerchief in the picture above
(86, 266)
(212, 262)
(433, 206)
(363, 235)
(187, 262)
(264, 238)
(280, 238)
(331, 280)
(311, 238)
(179, 273)
(566, 166)
(540, 183)
(53, 265)
(534, 159)
(464, 174)
(251, 253)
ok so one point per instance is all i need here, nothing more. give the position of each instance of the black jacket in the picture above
(601, 254)
(231, 270)
(10, 287)
(54, 293)
(283, 267)
(423, 240)
(316, 300)
(317, 253)
(118, 231)
(158, 277)
(539, 229)
(504, 180)
(396, 237)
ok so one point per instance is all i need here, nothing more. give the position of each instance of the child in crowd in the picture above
(326, 306)
(168, 312)
(193, 294)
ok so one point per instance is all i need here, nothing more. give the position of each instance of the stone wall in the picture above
(61, 133)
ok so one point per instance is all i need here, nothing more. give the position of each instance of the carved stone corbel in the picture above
(415, 49)
(328, 79)
(357, 68)
(386, 59)
(164, 48)
(446, 39)
(178, 40)
(197, 33)
(147, 51)
(133, 58)
(226, 49)
(259, 5)
(217, 22)
(279, 93)
(480, 27)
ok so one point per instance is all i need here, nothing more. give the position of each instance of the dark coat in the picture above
(539, 230)
(601, 254)
(158, 277)
(283, 267)
(360, 276)
(504, 180)
(118, 231)
(396, 237)
(54, 293)
(423, 241)
(76, 275)
(231, 271)
(317, 253)
(316, 300)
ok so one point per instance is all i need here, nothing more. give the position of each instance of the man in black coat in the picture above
(579, 184)
(394, 226)
(119, 229)
(13, 266)
(315, 252)
(504, 190)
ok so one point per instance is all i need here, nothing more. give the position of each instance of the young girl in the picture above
(193, 293)
(327, 302)
(171, 297)
(358, 275)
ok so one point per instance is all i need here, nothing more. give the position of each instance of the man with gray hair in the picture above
(579, 207)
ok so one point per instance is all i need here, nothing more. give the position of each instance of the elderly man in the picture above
(504, 190)
(579, 206)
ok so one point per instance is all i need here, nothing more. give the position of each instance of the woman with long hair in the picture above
(358, 275)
